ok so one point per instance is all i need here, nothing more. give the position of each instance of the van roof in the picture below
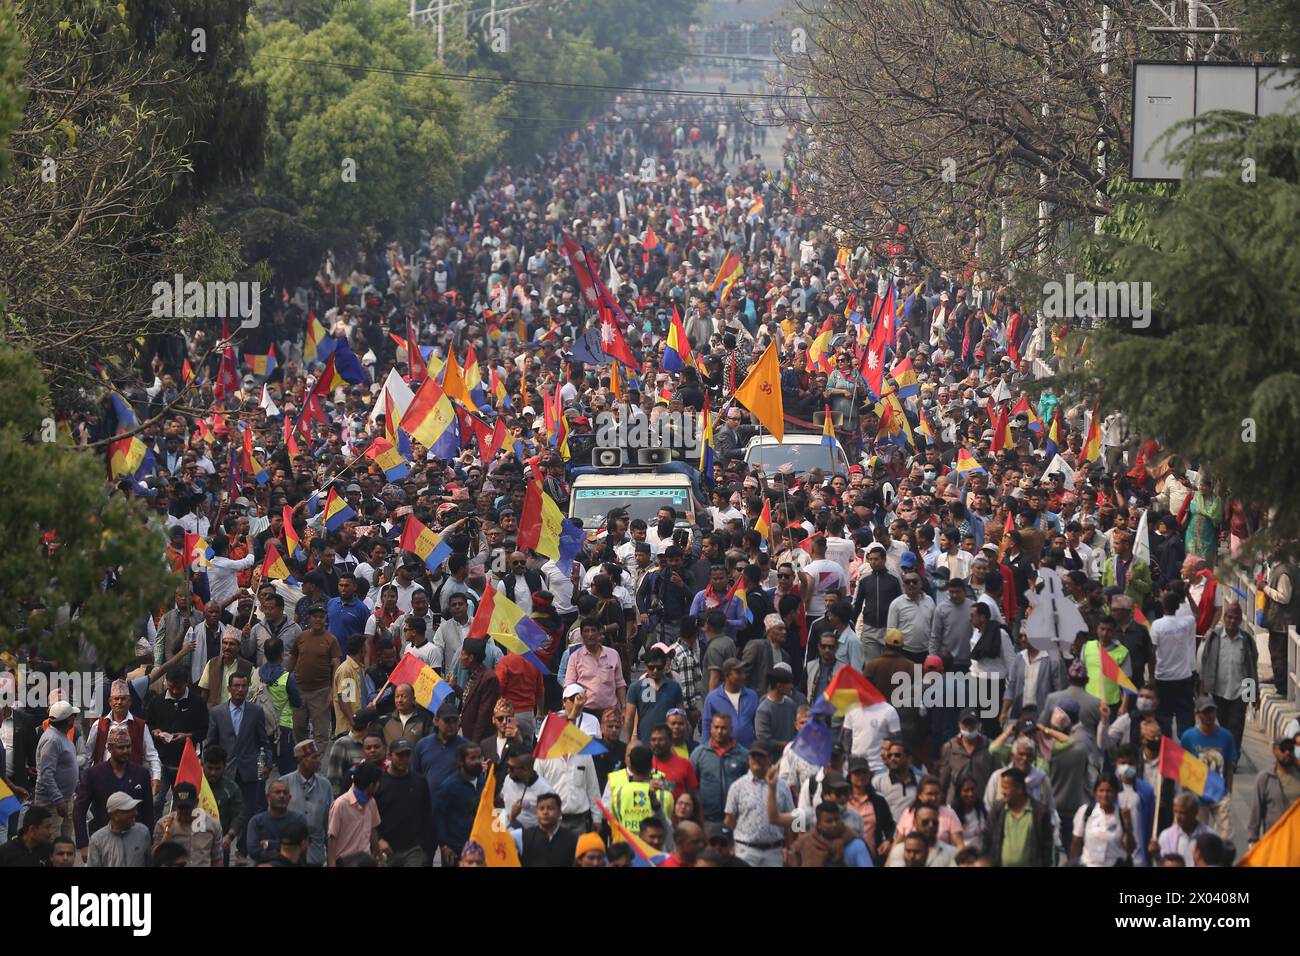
(645, 480)
(791, 438)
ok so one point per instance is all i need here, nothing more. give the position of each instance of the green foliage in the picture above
(411, 137)
(103, 198)
(12, 95)
(1223, 258)
(48, 487)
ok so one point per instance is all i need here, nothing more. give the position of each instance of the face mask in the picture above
(1127, 771)
(969, 734)
(1146, 704)
(362, 796)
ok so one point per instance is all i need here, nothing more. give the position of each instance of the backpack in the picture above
(261, 697)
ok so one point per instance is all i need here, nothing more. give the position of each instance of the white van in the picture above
(592, 497)
(804, 451)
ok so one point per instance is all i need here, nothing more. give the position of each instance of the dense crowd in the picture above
(692, 651)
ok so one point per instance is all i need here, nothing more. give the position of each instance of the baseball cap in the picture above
(353, 487)
(120, 801)
(859, 763)
(969, 716)
(62, 710)
(185, 795)
(876, 546)
(722, 835)
(1206, 703)
(908, 560)
(448, 711)
(400, 746)
(893, 637)
(573, 690)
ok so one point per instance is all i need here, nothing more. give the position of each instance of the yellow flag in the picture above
(453, 383)
(1280, 846)
(761, 393)
(488, 832)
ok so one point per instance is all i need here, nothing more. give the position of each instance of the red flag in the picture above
(529, 533)
(414, 357)
(873, 356)
(578, 260)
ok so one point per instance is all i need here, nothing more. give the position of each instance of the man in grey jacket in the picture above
(56, 767)
(1229, 659)
(1276, 788)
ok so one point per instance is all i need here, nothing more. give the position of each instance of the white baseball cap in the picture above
(573, 690)
(62, 710)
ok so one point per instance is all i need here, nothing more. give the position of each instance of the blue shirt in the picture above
(454, 804)
(263, 826)
(1217, 750)
(436, 761)
(346, 620)
(855, 854)
(652, 706)
(742, 721)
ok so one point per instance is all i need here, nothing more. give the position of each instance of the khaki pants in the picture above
(316, 710)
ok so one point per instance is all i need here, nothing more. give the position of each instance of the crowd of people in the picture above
(693, 653)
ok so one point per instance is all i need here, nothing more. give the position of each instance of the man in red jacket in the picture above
(480, 693)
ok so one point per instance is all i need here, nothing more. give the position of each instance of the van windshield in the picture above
(592, 504)
(803, 457)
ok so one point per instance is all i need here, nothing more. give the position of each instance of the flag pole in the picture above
(1160, 786)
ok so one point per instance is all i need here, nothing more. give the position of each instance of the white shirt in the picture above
(522, 596)
(513, 791)
(150, 751)
(1174, 640)
(722, 515)
(826, 576)
(1103, 835)
(560, 585)
(958, 564)
(574, 779)
(221, 577)
(840, 551)
(428, 652)
(448, 639)
(869, 727)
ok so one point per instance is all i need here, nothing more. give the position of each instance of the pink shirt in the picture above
(600, 676)
(949, 823)
(350, 824)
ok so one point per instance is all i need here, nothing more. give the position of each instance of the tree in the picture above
(377, 148)
(102, 203)
(101, 573)
(989, 128)
(1215, 376)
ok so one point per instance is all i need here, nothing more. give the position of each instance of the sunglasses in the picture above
(676, 712)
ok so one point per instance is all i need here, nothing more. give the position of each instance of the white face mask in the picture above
(970, 734)
(1146, 705)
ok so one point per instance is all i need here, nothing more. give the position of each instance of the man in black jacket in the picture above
(548, 843)
(876, 591)
(1013, 840)
(172, 716)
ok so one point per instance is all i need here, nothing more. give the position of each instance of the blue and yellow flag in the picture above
(337, 511)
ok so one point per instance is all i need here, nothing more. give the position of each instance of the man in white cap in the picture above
(124, 842)
(573, 702)
(759, 657)
(56, 767)
(99, 784)
(119, 717)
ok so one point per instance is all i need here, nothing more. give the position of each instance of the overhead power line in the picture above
(505, 81)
